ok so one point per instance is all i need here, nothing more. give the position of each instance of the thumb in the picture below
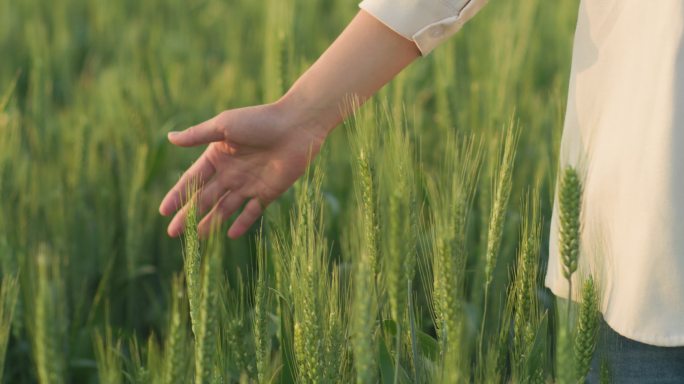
(204, 133)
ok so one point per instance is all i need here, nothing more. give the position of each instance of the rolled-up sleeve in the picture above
(426, 22)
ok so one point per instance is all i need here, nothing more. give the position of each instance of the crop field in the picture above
(413, 250)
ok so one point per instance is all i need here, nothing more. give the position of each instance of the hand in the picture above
(254, 154)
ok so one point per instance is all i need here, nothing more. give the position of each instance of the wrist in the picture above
(314, 113)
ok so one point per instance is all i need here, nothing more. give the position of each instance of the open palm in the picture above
(254, 154)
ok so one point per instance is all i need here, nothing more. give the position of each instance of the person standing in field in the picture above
(624, 133)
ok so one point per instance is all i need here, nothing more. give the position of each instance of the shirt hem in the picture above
(659, 341)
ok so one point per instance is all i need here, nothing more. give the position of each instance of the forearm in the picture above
(364, 57)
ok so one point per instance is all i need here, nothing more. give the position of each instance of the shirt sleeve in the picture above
(426, 22)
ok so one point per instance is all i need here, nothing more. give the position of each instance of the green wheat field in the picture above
(413, 251)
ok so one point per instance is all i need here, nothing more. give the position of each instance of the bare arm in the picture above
(256, 153)
(364, 57)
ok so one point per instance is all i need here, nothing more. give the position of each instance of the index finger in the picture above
(203, 133)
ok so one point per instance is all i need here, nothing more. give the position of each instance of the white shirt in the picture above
(624, 133)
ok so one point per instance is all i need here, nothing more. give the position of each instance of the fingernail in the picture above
(173, 133)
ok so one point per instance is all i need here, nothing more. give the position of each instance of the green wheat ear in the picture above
(587, 329)
(502, 191)
(363, 140)
(569, 199)
(569, 215)
(192, 258)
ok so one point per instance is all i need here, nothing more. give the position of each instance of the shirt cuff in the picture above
(425, 22)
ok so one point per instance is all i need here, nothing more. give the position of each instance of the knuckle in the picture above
(224, 205)
(255, 208)
(262, 203)
(223, 115)
(221, 122)
(191, 131)
(230, 200)
(206, 200)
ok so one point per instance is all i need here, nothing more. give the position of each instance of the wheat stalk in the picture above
(565, 371)
(314, 317)
(108, 357)
(175, 350)
(398, 217)
(605, 376)
(261, 304)
(8, 298)
(362, 306)
(450, 201)
(47, 319)
(362, 243)
(502, 191)
(207, 324)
